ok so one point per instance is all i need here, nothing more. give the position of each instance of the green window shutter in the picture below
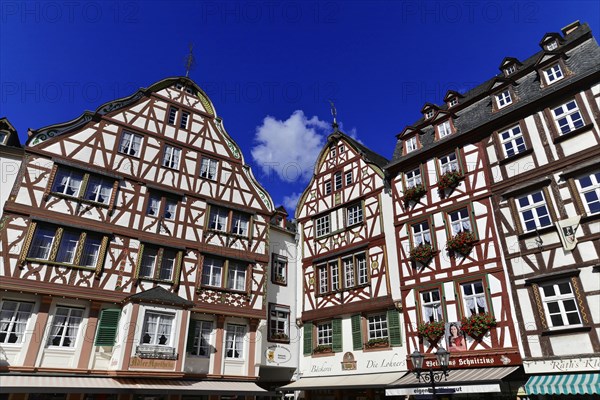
(357, 343)
(336, 325)
(308, 341)
(191, 335)
(107, 327)
(393, 320)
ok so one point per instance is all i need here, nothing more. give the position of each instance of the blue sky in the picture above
(269, 67)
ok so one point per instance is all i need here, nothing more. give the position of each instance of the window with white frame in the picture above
(413, 178)
(322, 226)
(239, 223)
(453, 101)
(348, 176)
(421, 233)
(460, 221)
(533, 211)
(236, 276)
(279, 322)
(173, 115)
(83, 185)
(361, 268)
(234, 341)
(444, 129)
(218, 218)
(99, 189)
(411, 144)
(65, 326)
(13, 320)
(355, 214)
(503, 99)
(337, 178)
(473, 296)
(553, 74)
(157, 201)
(208, 168)
(510, 69)
(184, 119)
(449, 163)
(335, 275)
(67, 181)
(157, 263)
(431, 306)
(589, 188)
(279, 269)
(428, 114)
(512, 141)
(171, 157)
(328, 187)
(567, 117)
(202, 333)
(212, 271)
(323, 279)
(342, 148)
(349, 272)
(157, 329)
(153, 208)
(130, 144)
(325, 334)
(377, 326)
(332, 152)
(552, 45)
(560, 304)
(3, 136)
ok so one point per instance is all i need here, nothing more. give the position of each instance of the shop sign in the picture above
(277, 354)
(415, 391)
(151, 363)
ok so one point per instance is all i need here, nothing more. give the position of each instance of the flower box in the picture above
(450, 179)
(432, 331)
(422, 253)
(414, 194)
(461, 243)
(477, 325)
(375, 343)
(279, 336)
(323, 348)
(280, 279)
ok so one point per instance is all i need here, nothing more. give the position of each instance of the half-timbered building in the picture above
(11, 156)
(134, 245)
(352, 340)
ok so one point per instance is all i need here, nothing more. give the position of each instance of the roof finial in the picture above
(334, 125)
(190, 62)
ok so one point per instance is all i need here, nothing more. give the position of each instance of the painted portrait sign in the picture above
(456, 340)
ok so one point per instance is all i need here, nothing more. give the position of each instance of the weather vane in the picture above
(190, 62)
(334, 114)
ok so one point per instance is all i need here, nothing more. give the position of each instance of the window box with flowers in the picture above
(323, 348)
(279, 336)
(461, 243)
(477, 325)
(432, 331)
(450, 180)
(279, 279)
(414, 193)
(423, 253)
(375, 343)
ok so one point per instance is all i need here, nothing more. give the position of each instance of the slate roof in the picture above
(160, 295)
(583, 60)
(367, 153)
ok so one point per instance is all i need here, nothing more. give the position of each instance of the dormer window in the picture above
(444, 129)
(503, 99)
(411, 144)
(553, 74)
(429, 114)
(510, 69)
(3, 137)
(552, 45)
(453, 101)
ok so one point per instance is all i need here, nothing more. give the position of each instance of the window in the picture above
(322, 225)
(323, 279)
(13, 321)
(361, 267)
(377, 326)
(348, 178)
(337, 178)
(333, 152)
(157, 201)
(325, 334)
(503, 99)
(173, 115)
(444, 129)
(214, 269)
(559, 304)
(353, 269)
(473, 298)
(335, 275)
(157, 263)
(421, 233)
(68, 182)
(449, 163)
(411, 144)
(208, 169)
(65, 246)
(428, 114)
(589, 187)
(554, 73)
(279, 322)
(157, 329)
(431, 306)
(239, 225)
(279, 269)
(413, 178)
(82, 185)
(533, 211)
(460, 221)
(453, 101)
(218, 218)
(236, 276)
(567, 117)
(553, 45)
(234, 341)
(512, 141)
(184, 119)
(342, 148)
(130, 144)
(201, 341)
(355, 214)
(171, 158)
(328, 187)
(65, 326)
(510, 69)
(99, 189)
(349, 273)
(3, 136)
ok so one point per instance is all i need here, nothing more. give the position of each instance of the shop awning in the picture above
(12, 383)
(472, 380)
(351, 381)
(564, 384)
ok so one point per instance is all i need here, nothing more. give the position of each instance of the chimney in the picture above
(570, 28)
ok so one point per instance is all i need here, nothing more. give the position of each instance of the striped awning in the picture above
(350, 381)
(564, 384)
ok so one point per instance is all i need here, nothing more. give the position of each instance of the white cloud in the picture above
(290, 148)
(290, 202)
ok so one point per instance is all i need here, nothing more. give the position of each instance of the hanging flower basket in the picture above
(422, 253)
(323, 348)
(461, 243)
(374, 343)
(414, 194)
(477, 324)
(450, 179)
(432, 331)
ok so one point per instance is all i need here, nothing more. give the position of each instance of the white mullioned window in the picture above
(279, 269)
(554, 73)
(421, 233)
(510, 69)
(153, 208)
(65, 326)
(328, 187)
(130, 144)
(444, 129)
(589, 188)
(474, 298)
(428, 114)
(449, 163)
(567, 117)
(553, 45)
(349, 273)
(560, 304)
(157, 329)
(170, 208)
(208, 168)
(533, 211)
(239, 224)
(202, 333)
(157, 263)
(431, 306)
(218, 218)
(355, 214)
(234, 341)
(212, 271)
(68, 182)
(512, 141)
(348, 176)
(453, 101)
(184, 119)
(411, 144)
(99, 189)
(323, 279)
(361, 268)
(3, 136)
(337, 178)
(279, 322)
(236, 276)
(460, 221)
(13, 320)
(335, 275)
(377, 326)
(46, 237)
(503, 99)
(413, 178)
(171, 157)
(173, 115)
(323, 226)
(325, 334)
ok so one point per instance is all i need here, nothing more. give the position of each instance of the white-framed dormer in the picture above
(551, 41)
(509, 66)
(452, 98)
(429, 111)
